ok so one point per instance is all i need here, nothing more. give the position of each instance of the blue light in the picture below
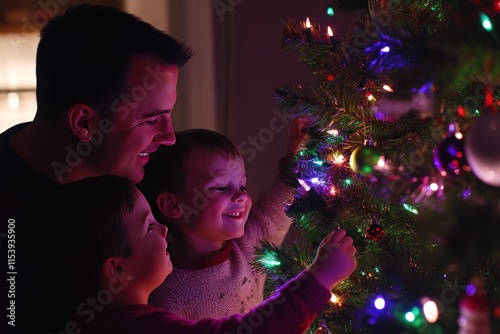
(385, 49)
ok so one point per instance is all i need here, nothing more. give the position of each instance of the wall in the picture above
(258, 66)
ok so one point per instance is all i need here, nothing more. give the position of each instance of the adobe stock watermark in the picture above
(121, 108)
(250, 147)
(221, 7)
(87, 310)
(48, 9)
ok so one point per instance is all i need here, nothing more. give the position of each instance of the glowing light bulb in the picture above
(385, 49)
(304, 184)
(387, 88)
(431, 312)
(308, 23)
(333, 191)
(379, 303)
(330, 11)
(409, 316)
(333, 132)
(433, 186)
(330, 31)
(334, 299)
(487, 25)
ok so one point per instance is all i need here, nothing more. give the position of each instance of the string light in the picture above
(387, 88)
(487, 25)
(330, 11)
(430, 309)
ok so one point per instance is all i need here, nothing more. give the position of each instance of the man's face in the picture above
(141, 119)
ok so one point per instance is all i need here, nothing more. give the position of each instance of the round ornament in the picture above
(374, 232)
(322, 329)
(363, 159)
(482, 148)
(449, 157)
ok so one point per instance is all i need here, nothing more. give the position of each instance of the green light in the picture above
(330, 11)
(410, 317)
(377, 269)
(347, 182)
(318, 162)
(476, 112)
(486, 22)
(410, 208)
(269, 261)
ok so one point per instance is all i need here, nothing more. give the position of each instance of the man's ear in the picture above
(82, 119)
(114, 270)
(169, 205)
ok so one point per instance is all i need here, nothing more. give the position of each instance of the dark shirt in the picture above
(21, 189)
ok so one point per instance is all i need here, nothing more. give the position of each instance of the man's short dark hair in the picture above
(83, 56)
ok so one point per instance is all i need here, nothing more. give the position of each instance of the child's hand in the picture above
(335, 259)
(297, 133)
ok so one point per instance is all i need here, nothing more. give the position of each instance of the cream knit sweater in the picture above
(225, 284)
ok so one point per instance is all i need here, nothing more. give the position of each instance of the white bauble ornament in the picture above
(482, 148)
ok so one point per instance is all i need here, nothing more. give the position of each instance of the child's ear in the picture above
(114, 270)
(169, 205)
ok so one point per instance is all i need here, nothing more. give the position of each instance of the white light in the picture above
(434, 186)
(379, 303)
(381, 162)
(387, 88)
(304, 184)
(13, 100)
(339, 159)
(431, 312)
(385, 49)
(333, 132)
(315, 180)
(459, 135)
(410, 316)
(334, 299)
(332, 191)
(330, 31)
(308, 23)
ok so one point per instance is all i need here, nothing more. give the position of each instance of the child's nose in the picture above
(163, 230)
(240, 196)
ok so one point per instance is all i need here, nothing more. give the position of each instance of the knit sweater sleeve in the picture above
(268, 220)
(290, 310)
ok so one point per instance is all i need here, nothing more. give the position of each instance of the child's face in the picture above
(216, 203)
(150, 262)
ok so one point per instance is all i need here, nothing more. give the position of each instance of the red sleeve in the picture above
(290, 310)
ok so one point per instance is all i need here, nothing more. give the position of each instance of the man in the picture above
(106, 86)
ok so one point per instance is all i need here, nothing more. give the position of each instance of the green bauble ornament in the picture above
(364, 158)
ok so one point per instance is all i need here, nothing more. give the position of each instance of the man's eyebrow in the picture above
(156, 113)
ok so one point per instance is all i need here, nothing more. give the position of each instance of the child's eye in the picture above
(244, 188)
(150, 227)
(221, 189)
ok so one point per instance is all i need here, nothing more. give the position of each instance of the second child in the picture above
(197, 188)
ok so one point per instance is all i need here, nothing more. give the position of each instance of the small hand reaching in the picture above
(297, 134)
(334, 260)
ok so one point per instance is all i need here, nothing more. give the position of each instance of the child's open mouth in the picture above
(235, 215)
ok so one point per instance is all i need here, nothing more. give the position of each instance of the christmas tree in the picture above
(403, 153)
